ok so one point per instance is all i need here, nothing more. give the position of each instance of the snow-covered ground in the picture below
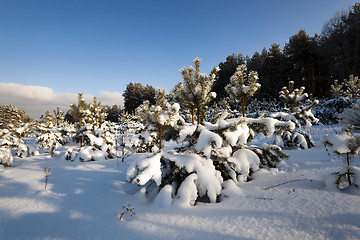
(85, 200)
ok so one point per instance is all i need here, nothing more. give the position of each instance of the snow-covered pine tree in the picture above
(344, 96)
(210, 154)
(79, 112)
(51, 130)
(58, 117)
(161, 119)
(126, 139)
(11, 115)
(292, 97)
(47, 118)
(6, 157)
(96, 136)
(194, 93)
(242, 87)
(6, 143)
(96, 115)
(345, 144)
(350, 118)
(12, 138)
(300, 114)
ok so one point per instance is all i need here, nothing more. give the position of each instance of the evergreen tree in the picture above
(227, 69)
(96, 115)
(194, 93)
(352, 87)
(161, 117)
(114, 113)
(301, 52)
(300, 114)
(242, 87)
(136, 94)
(11, 115)
(337, 89)
(292, 96)
(79, 112)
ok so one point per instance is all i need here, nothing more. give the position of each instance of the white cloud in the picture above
(35, 100)
(111, 98)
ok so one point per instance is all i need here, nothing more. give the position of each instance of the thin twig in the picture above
(260, 198)
(291, 181)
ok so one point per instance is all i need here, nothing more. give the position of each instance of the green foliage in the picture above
(88, 117)
(337, 89)
(242, 87)
(11, 115)
(270, 155)
(292, 97)
(194, 93)
(352, 87)
(136, 94)
(161, 117)
(227, 69)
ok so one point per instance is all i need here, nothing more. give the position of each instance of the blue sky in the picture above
(92, 46)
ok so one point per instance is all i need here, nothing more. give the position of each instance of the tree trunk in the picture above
(81, 139)
(160, 136)
(192, 115)
(348, 171)
(243, 107)
(292, 105)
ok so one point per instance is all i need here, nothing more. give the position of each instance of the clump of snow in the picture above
(187, 192)
(340, 142)
(186, 130)
(244, 160)
(85, 154)
(5, 157)
(96, 141)
(231, 190)
(239, 136)
(209, 179)
(356, 175)
(164, 198)
(145, 168)
(22, 150)
(207, 141)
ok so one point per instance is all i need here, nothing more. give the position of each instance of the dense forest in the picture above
(310, 61)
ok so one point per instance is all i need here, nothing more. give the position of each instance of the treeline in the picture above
(310, 61)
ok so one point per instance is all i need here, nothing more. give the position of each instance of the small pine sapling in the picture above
(79, 112)
(300, 114)
(337, 89)
(352, 87)
(293, 96)
(161, 118)
(345, 144)
(123, 128)
(194, 93)
(242, 87)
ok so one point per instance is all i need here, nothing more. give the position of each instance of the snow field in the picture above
(83, 200)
